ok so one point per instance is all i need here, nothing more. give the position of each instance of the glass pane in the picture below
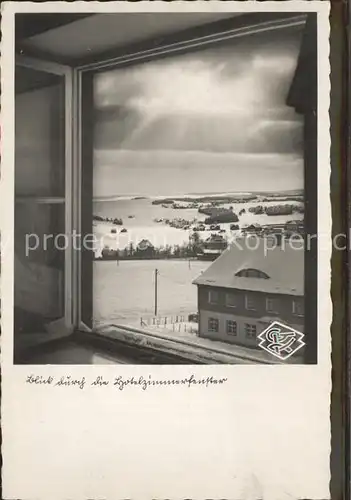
(39, 133)
(190, 152)
(39, 265)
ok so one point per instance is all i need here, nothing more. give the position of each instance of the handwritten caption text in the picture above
(122, 383)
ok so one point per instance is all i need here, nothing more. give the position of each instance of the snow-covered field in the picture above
(124, 293)
(143, 225)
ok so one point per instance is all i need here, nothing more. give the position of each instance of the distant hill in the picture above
(291, 192)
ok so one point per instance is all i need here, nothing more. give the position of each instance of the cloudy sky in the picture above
(208, 121)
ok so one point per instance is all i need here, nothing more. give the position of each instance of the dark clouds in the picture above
(220, 104)
(130, 130)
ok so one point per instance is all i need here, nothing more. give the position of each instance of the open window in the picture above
(142, 151)
(43, 201)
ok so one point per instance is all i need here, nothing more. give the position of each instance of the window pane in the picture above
(39, 133)
(213, 325)
(213, 297)
(250, 331)
(250, 302)
(231, 327)
(298, 308)
(39, 264)
(272, 305)
(231, 299)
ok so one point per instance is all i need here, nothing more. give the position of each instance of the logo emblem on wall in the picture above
(280, 340)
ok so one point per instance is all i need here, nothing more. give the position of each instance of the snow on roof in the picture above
(283, 264)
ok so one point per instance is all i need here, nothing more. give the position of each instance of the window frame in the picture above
(67, 324)
(274, 310)
(211, 330)
(78, 285)
(247, 298)
(232, 333)
(210, 301)
(295, 306)
(255, 273)
(249, 335)
(85, 72)
(231, 294)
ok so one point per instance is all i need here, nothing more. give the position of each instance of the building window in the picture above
(272, 305)
(250, 303)
(298, 308)
(250, 331)
(231, 300)
(213, 325)
(213, 297)
(231, 327)
(252, 273)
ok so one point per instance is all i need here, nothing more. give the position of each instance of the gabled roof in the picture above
(144, 244)
(284, 265)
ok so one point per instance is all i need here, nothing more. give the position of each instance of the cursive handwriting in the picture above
(99, 381)
(69, 381)
(39, 379)
(122, 383)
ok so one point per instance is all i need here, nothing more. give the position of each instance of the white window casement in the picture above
(298, 308)
(44, 257)
(63, 206)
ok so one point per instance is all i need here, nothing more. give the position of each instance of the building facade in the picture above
(238, 316)
(244, 291)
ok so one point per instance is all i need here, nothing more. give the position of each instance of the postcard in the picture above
(166, 244)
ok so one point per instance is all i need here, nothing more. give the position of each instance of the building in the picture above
(145, 249)
(295, 226)
(212, 248)
(248, 287)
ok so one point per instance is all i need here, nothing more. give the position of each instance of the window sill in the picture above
(124, 345)
(69, 352)
(27, 342)
(189, 352)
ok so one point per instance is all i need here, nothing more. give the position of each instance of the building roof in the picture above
(284, 265)
(145, 244)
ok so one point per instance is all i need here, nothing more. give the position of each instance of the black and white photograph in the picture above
(166, 188)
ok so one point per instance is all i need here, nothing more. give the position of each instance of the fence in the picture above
(176, 323)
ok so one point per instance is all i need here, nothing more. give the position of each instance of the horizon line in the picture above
(115, 197)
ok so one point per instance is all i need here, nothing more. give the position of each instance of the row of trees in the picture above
(116, 221)
(277, 209)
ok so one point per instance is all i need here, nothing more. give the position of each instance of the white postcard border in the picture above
(266, 432)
